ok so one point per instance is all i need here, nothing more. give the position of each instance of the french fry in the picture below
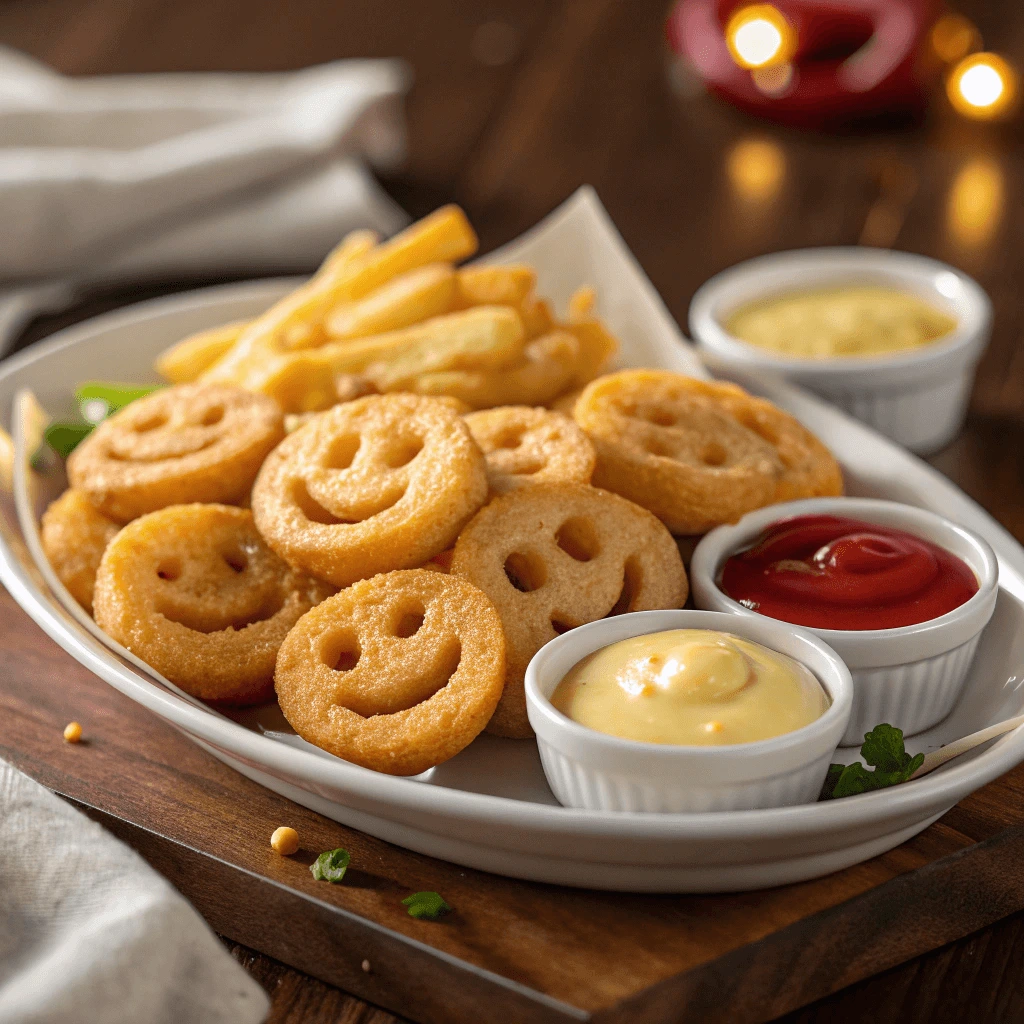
(184, 362)
(443, 236)
(298, 381)
(495, 286)
(581, 304)
(479, 338)
(188, 359)
(403, 301)
(546, 369)
(597, 349)
(538, 319)
(482, 337)
(352, 246)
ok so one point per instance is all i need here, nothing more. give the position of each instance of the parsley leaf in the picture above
(331, 865)
(883, 749)
(99, 399)
(428, 905)
(64, 438)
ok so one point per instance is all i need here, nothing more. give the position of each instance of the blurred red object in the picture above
(850, 60)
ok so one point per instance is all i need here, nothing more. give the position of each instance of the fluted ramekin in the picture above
(593, 770)
(918, 397)
(910, 676)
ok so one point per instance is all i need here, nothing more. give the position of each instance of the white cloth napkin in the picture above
(90, 933)
(130, 178)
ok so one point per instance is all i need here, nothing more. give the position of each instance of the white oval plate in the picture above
(490, 807)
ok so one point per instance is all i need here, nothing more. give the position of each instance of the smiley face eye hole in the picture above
(236, 561)
(509, 438)
(342, 451)
(526, 571)
(153, 422)
(578, 539)
(402, 452)
(212, 416)
(341, 652)
(169, 569)
(714, 454)
(409, 621)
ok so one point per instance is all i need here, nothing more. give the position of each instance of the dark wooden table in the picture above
(515, 103)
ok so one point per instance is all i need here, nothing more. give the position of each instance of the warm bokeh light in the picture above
(756, 168)
(953, 36)
(759, 36)
(774, 81)
(982, 86)
(975, 204)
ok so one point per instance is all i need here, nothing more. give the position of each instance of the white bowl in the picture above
(911, 676)
(592, 770)
(918, 398)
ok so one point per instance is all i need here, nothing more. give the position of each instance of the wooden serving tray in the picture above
(511, 951)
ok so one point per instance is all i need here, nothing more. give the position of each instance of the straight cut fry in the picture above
(403, 301)
(188, 359)
(478, 338)
(444, 236)
(495, 286)
(184, 362)
(546, 369)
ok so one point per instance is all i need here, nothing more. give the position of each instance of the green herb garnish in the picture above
(96, 401)
(882, 749)
(63, 438)
(99, 399)
(331, 865)
(428, 905)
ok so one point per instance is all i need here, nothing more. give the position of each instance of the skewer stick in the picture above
(965, 743)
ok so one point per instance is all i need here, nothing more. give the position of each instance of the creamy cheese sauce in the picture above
(856, 320)
(692, 687)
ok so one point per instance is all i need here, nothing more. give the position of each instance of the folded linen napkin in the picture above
(90, 933)
(129, 178)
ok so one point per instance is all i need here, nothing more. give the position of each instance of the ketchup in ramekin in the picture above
(833, 572)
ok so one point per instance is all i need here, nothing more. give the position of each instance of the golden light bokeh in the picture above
(775, 80)
(953, 37)
(982, 86)
(756, 169)
(758, 36)
(975, 204)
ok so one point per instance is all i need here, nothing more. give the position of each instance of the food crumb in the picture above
(73, 732)
(365, 966)
(714, 727)
(285, 841)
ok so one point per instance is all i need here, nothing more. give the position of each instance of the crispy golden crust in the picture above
(698, 453)
(194, 442)
(193, 591)
(525, 445)
(75, 534)
(555, 556)
(384, 482)
(397, 673)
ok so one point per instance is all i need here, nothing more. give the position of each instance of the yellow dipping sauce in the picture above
(694, 687)
(856, 320)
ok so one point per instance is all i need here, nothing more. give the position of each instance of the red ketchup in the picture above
(832, 572)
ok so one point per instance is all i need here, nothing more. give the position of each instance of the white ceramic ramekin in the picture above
(910, 677)
(918, 398)
(590, 769)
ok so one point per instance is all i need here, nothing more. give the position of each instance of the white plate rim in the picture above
(930, 793)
